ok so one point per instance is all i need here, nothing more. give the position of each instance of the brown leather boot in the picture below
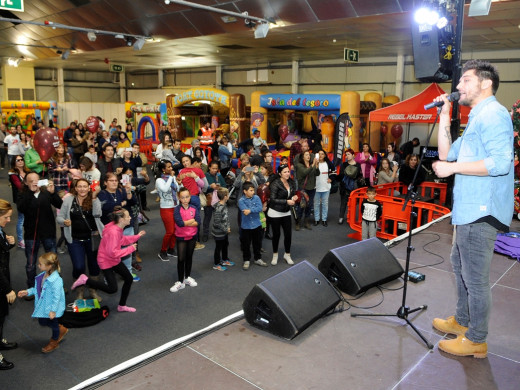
(308, 223)
(297, 225)
(53, 344)
(63, 332)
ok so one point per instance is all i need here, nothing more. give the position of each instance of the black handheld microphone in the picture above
(453, 97)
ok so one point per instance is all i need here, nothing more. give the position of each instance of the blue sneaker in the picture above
(219, 267)
(228, 263)
(136, 278)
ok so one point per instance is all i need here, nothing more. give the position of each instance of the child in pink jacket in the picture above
(109, 258)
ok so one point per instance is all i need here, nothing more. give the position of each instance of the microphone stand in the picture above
(404, 310)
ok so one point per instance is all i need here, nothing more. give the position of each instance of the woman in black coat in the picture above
(282, 198)
(7, 294)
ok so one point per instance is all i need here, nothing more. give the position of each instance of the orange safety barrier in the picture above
(394, 221)
(146, 147)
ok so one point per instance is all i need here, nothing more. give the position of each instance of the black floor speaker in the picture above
(290, 301)
(357, 267)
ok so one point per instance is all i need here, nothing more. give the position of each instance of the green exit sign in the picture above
(12, 5)
(351, 55)
(116, 68)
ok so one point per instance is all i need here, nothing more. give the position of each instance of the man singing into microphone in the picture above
(482, 162)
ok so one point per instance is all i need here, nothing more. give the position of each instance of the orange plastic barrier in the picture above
(146, 147)
(394, 221)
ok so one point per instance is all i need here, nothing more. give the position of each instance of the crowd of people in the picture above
(95, 185)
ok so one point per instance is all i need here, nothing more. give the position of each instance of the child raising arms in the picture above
(49, 302)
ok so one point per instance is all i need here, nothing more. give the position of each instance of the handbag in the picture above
(95, 237)
(203, 202)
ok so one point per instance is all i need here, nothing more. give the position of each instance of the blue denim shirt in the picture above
(489, 137)
(252, 220)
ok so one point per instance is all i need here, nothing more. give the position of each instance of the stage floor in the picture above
(341, 352)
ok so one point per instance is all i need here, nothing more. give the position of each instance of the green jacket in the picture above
(302, 173)
(31, 156)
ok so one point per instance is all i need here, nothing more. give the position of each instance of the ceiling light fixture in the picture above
(220, 11)
(65, 55)
(91, 33)
(261, 30)
(138, 45)
(14, 61)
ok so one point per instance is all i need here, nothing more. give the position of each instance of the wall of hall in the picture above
(313, 76)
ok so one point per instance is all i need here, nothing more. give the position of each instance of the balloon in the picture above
(283, 130)
(129, 114)
(45, 143)
(397, 131)
(263, 192)
(384, 129)
(92, 124)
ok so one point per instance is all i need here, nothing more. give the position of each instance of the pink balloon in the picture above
(283, 130)
(397, 131)
(92, 124)
(45, 143)
(384, 129)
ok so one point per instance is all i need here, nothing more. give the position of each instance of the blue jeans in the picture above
(19, 226)
(53, 324)
(471, 258)
(31, 253)
(127, 261)
(323, 198)
(77, 251)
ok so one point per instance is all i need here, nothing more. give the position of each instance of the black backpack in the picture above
(72, 319)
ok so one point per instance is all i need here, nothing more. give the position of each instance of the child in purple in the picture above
(187, 220)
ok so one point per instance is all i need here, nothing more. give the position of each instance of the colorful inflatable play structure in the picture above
(224, 105)
(24, 113)
(147, 119)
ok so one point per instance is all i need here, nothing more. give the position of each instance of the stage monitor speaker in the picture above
(290, 301)
(357, 267)
(429, 64)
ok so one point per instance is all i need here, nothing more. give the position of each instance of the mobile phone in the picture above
(125, 179)
(250, 169)
(43, 182)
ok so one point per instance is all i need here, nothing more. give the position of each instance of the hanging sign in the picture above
(12, 5)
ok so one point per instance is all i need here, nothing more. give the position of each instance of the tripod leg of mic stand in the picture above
(429, 345)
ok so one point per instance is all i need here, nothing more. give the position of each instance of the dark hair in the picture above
(107, 145)
(214, 162)
(177, 140)
(369, 147)
(416, 139)
(196, 149)
(300, 157)
(118, 214)
(381, 164)
(268, 167)
(371, 189)
(87, 203)
(265, 151)
(108, 175)
(484, 71)
(327, 160)
(409, 157)
(87, 162)
(247, 185)
(187, 156)
(162, 164)
(183, 189)
(281, 167)
(196, 160)
(13, 164)
(392, 145)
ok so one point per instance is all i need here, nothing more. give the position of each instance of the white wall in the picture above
(70, 111)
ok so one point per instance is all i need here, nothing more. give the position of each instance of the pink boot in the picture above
(79, 281)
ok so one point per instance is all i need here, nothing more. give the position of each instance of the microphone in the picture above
(453, 97)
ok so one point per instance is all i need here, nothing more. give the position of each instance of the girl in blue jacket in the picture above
(49, 303)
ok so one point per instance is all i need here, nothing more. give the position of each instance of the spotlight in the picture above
(14, 62)
(442, 22)
(166, 1)
(91, 35)
(261, 30)
(426, 16)
(65, 55)
(128, 41)
(138, 45)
